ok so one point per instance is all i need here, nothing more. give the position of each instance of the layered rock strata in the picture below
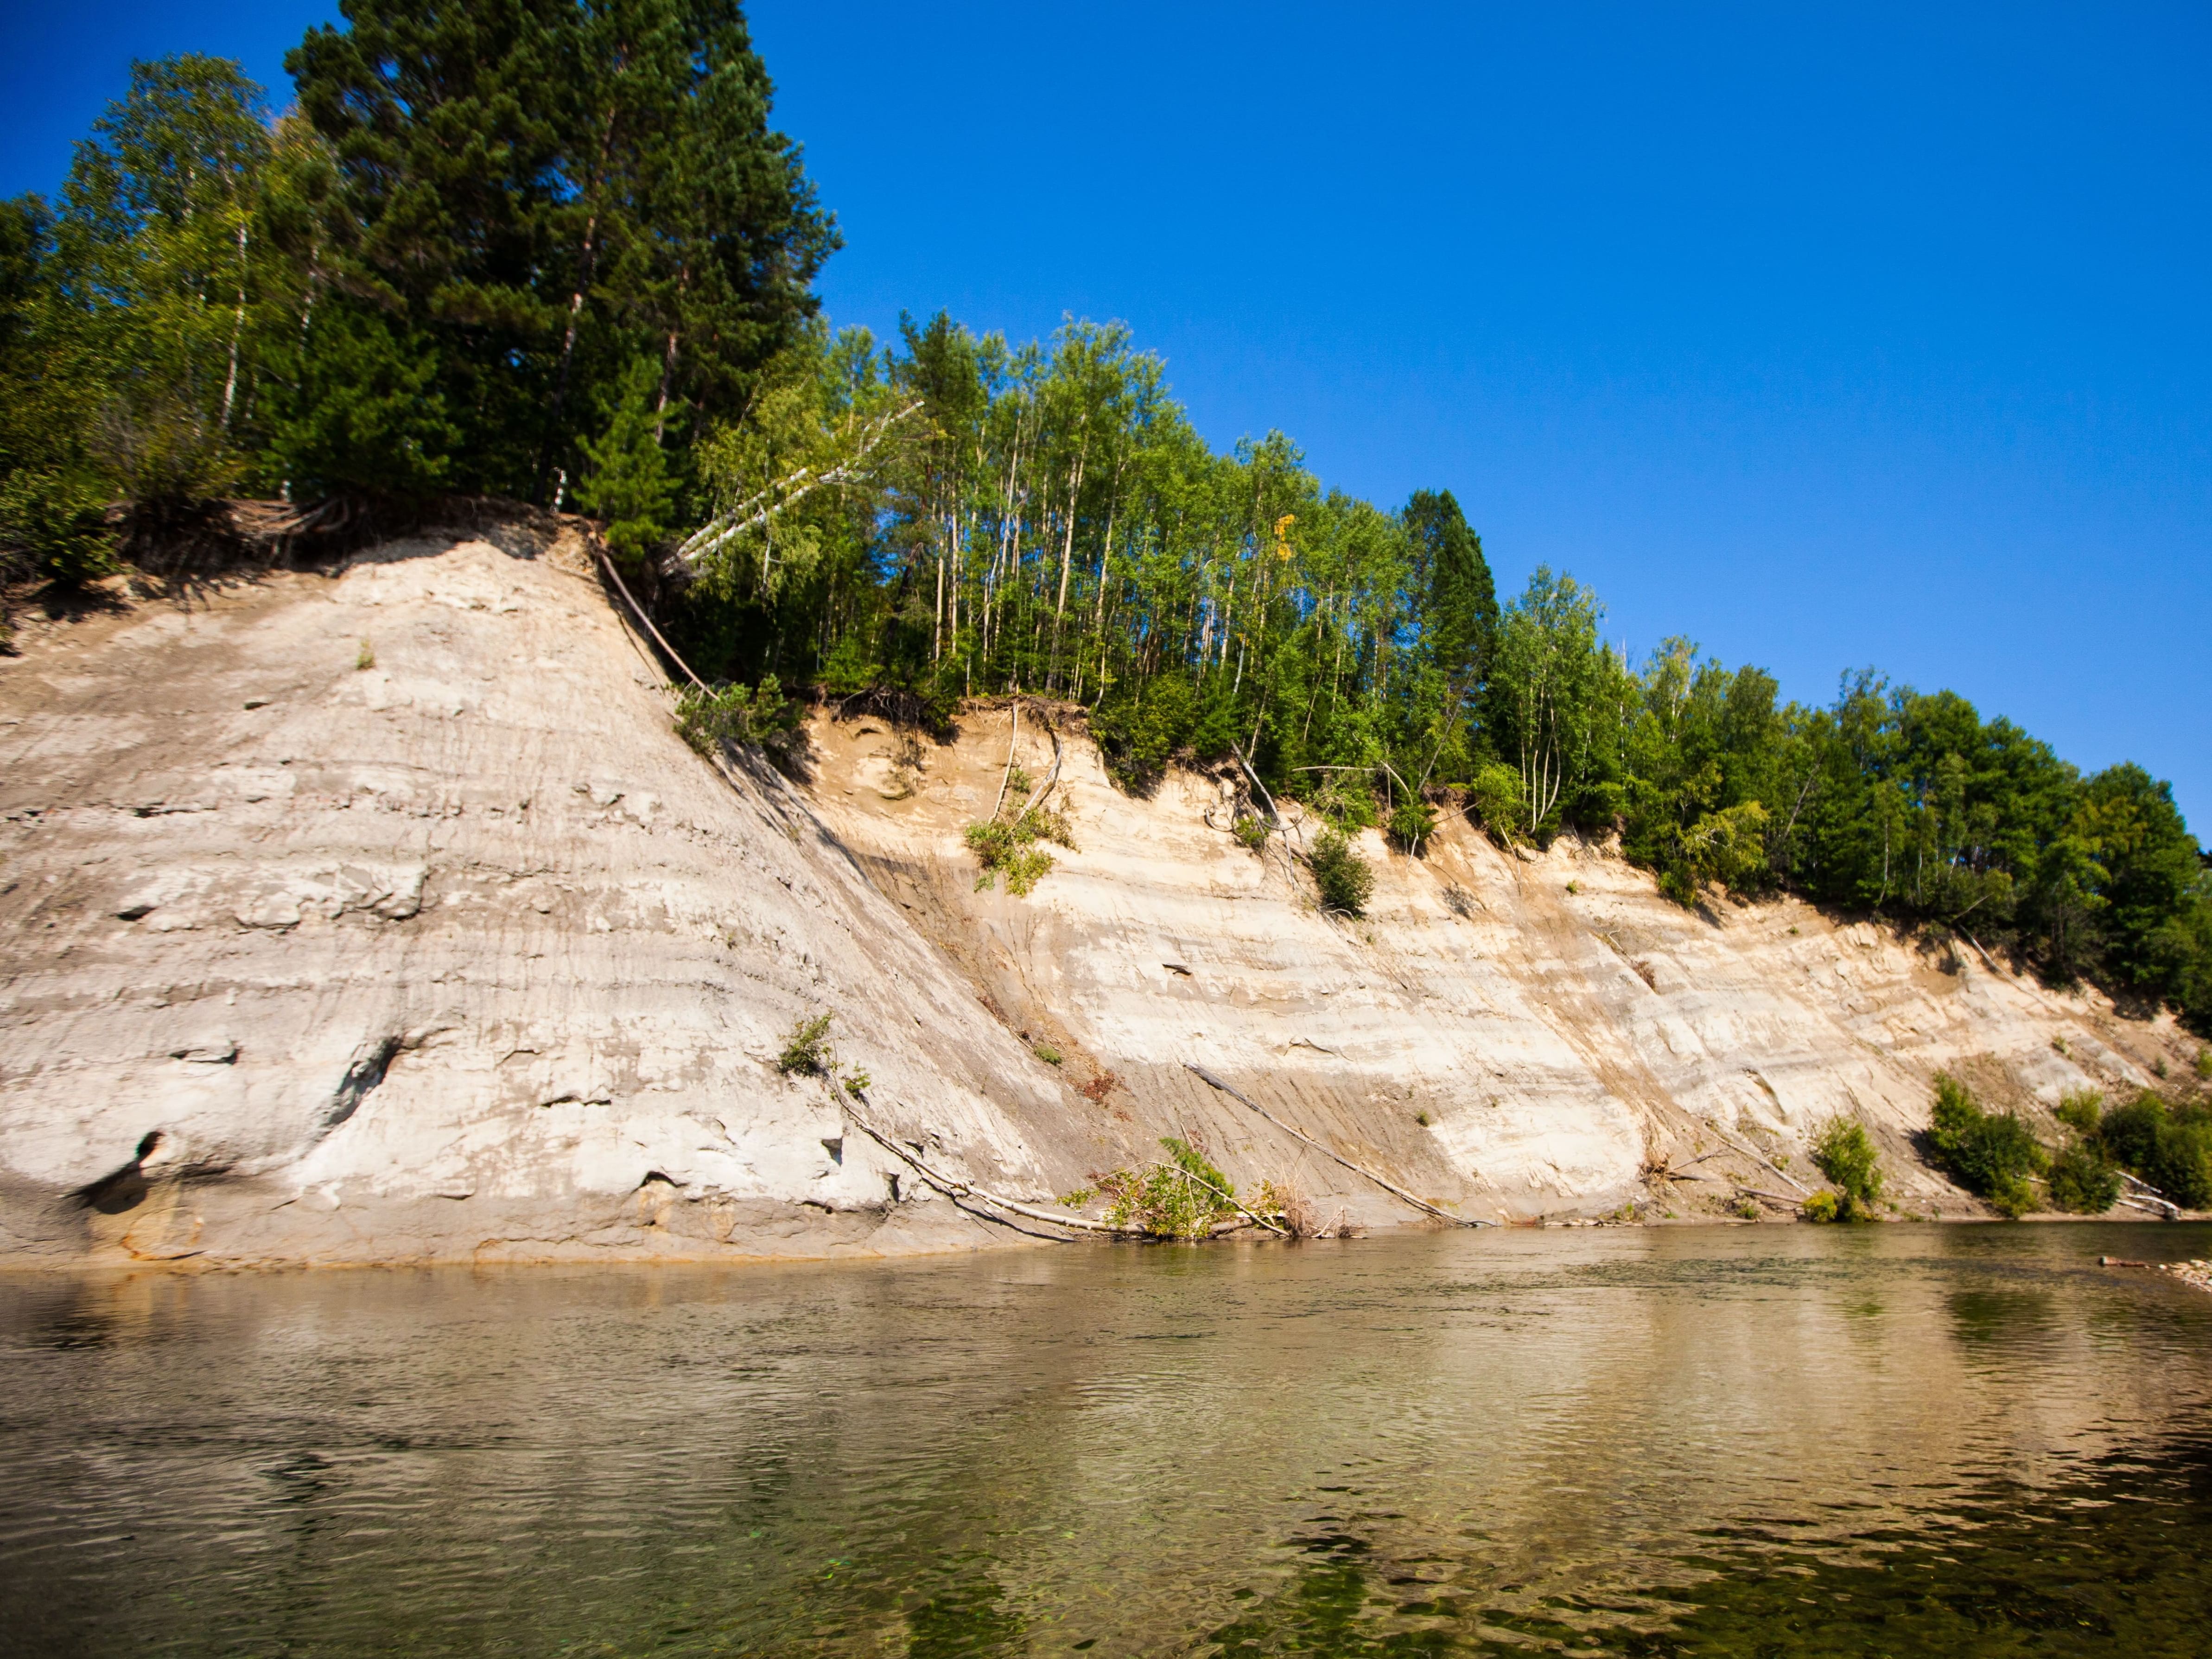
(379, 915)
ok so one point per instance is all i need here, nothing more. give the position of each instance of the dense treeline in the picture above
(433, 274)
(554, 251)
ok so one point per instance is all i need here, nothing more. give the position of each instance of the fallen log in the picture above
(607, 565)
(957, 1189)
(1396, 1191)
(1050, 778)
(2164, 1209)
(1671, 1171)
(1013, 737)
(1766, 1164)
(1251, 1216)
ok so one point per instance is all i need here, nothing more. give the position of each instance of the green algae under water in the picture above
(1891, 1440)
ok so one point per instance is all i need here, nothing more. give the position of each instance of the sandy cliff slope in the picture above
(464, 955)
(1516, 1035)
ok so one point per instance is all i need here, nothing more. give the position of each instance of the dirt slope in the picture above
(1517, 1036)
(461, 954)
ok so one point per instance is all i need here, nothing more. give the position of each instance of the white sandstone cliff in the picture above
(463, 955)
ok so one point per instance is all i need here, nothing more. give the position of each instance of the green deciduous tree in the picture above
(1556, 698)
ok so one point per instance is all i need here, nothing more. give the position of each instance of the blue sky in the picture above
(1827, 339)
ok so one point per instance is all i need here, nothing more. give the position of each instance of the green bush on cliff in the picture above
(1412, 823)
(753, 717)
(1847, 1157)
(1341, 875)
(1182, 1198)
(2168, 1146)
(806, 1051)
(2082, 1182)
(2081, 1112)
(1008, 847)
(1991, 1154)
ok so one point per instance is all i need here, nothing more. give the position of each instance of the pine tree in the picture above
(453, 128)
(1461, 609)
(542, 192)
(628, 484)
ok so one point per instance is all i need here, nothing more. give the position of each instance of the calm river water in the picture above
(1896, 1439)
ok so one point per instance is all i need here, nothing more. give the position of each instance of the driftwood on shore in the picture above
(1763, 1162)
(957, 1189)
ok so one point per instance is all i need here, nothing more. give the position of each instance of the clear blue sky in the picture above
(1826, 338)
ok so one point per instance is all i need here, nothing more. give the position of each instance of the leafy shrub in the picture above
(807, 1052)
(2204, 1064)
(2080, 1111)
(57, 522)
(1411, 824)
(1010, 850)
(2169, 1147)
(2183, 1170)
(2129, 1134)
(1182, 1198)
(1494, 800)
(1347, 802)
(760, 717)
(1343, 878)
(1821, 1207)
(1251, 831)
(1141, 724)
(2082, 1183)
(1991, 1154)
(1848, 1159)
(1728, 846)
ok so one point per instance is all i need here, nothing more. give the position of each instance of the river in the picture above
(1893, 1439)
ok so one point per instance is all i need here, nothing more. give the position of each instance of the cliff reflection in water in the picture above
(1877, 1440)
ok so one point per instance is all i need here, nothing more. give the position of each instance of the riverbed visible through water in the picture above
(1894, 1440)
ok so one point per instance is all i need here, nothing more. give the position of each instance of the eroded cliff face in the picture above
(461, 954)
(1516, 1035)
(381, 917)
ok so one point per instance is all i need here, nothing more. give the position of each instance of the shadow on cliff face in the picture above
(123, 1190)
